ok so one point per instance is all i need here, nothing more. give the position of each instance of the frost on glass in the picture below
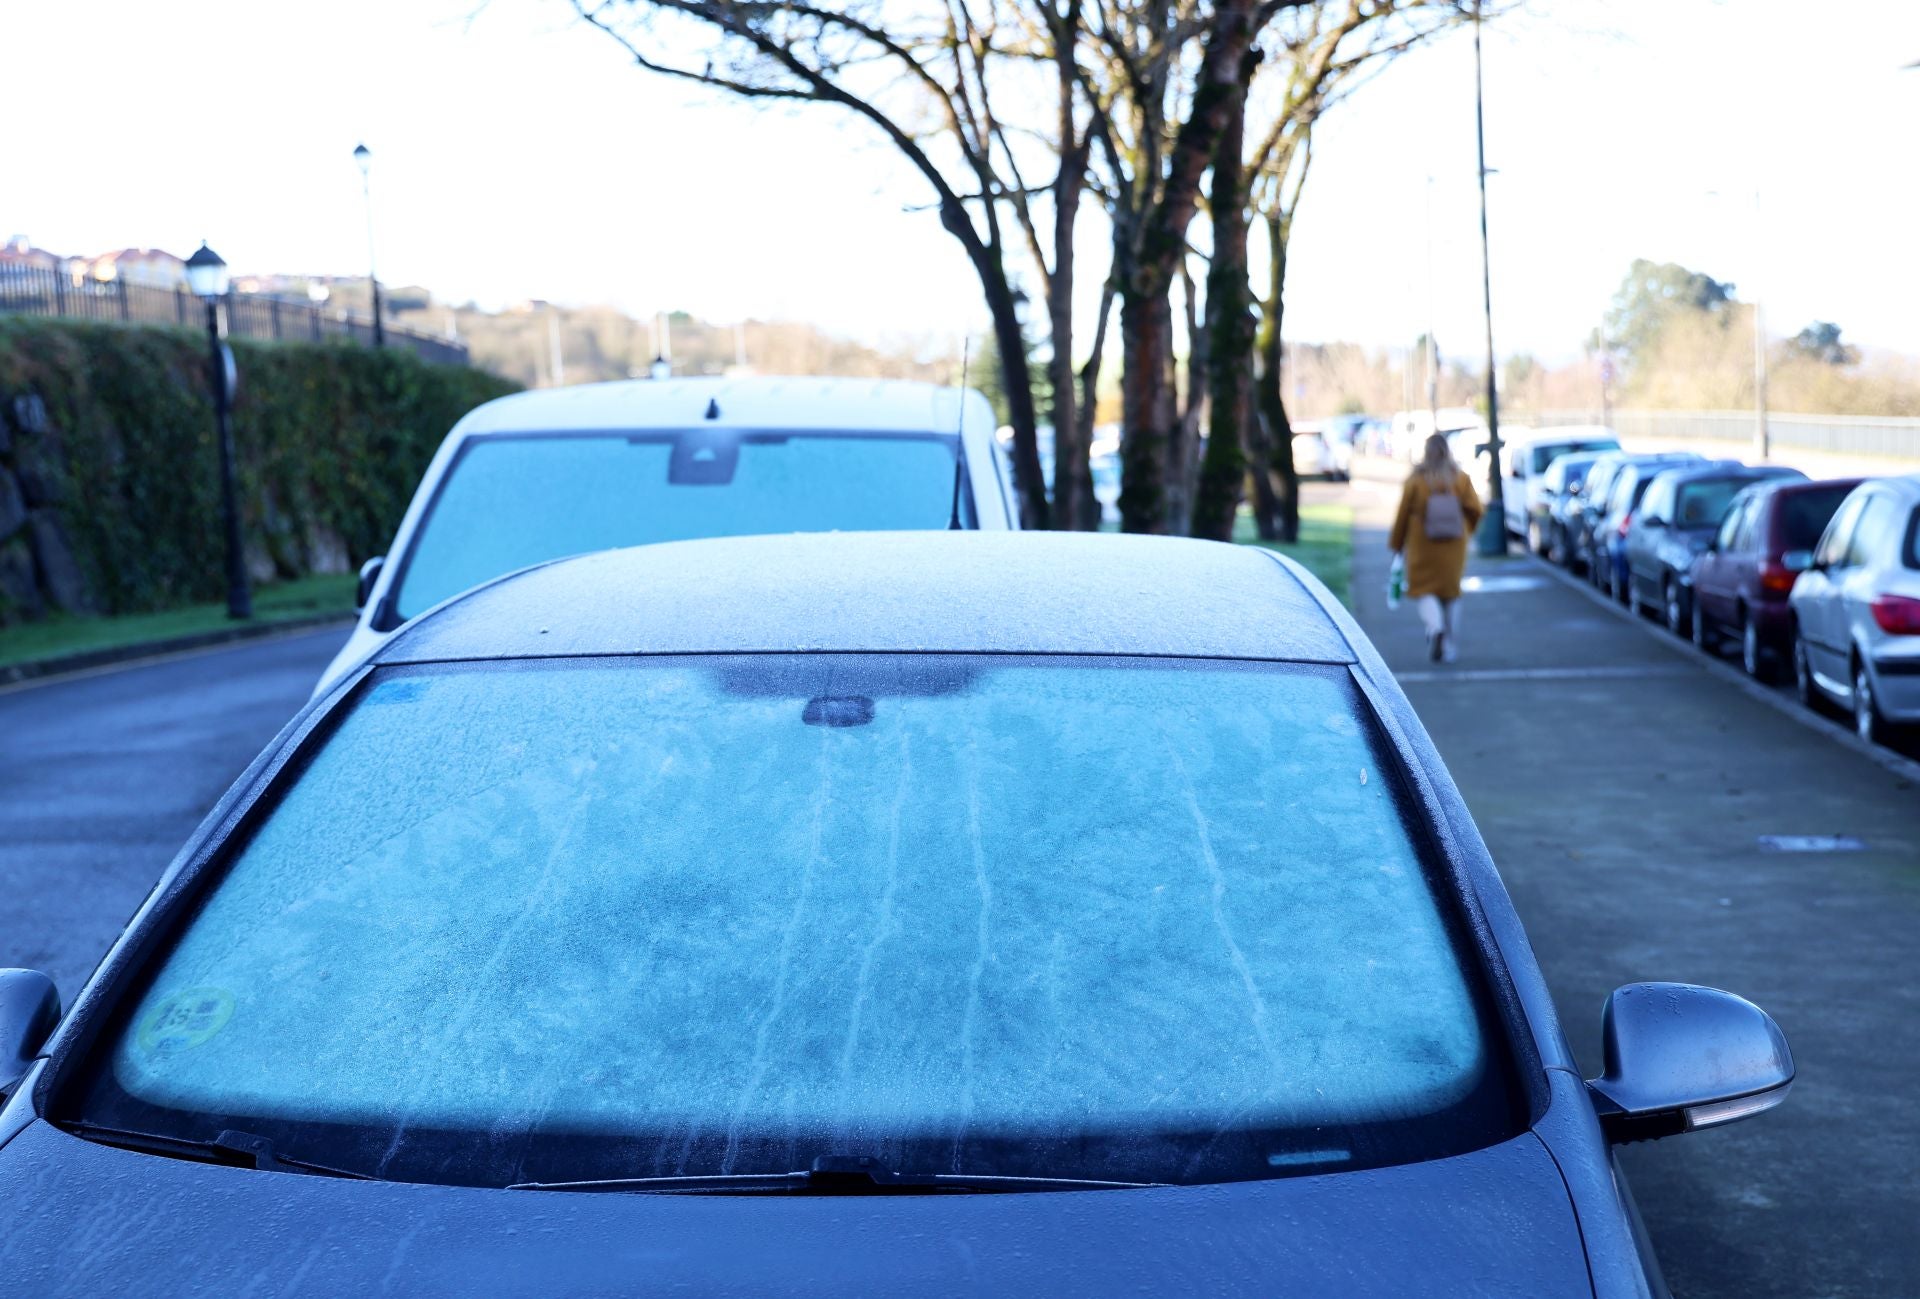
(652, 900)
(511, 502)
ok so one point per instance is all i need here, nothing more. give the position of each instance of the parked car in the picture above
(1464, 430)
(1552, 532)
(1323, 449)
(1586, 512)
(610, 915)
(562, 471)
(1856, 610)
(1741, 581)
(1678, 516)
(1528, 460)
(1608, 570)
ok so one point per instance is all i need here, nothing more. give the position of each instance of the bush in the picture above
(123, 473)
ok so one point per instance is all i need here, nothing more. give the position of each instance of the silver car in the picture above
(1856, 610)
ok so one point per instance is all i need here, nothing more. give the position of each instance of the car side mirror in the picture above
(1653, 521)
(29, 1012)
(1797, 561)
(1680, 1057)
(369, 575)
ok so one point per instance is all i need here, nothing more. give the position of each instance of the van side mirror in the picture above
(1681, 1057)
(369, 574)
(29, 1012)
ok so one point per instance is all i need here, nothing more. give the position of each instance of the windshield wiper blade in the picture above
(233, 1147)
(833, 1175)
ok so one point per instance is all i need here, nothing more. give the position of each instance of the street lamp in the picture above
(364, 156)
(1493, 526)
(207, 277)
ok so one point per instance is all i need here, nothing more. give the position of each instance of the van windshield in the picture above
(1139, 920)
(510, 501)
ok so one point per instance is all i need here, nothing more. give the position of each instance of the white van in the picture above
(562, 471)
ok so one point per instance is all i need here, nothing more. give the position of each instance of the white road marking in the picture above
(1811, 843)
(1599, 672)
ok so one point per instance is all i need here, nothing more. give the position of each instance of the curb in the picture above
(90, 660)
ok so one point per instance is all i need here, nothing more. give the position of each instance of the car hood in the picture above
(87, 1219)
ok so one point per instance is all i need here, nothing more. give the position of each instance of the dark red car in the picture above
(1741, 581)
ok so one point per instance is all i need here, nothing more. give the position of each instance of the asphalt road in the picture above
(1623, 786)
(102, 778)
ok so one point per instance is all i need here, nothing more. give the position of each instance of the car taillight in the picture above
(1776, 577)
(1626, 521)
(1897, 614)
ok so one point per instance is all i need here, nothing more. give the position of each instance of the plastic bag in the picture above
(1396, 581)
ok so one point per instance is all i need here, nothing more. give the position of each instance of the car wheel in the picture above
(1558, 551)
(1753, 654)
(1675, 603)
(1867, 722)
(1803, 685)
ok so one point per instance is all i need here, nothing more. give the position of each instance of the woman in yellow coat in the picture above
(1438, 512)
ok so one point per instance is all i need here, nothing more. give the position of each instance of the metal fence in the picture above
(41, 291)
(1882, 438)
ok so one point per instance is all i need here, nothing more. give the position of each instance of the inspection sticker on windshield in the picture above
(186, 1019)
(1810, 843)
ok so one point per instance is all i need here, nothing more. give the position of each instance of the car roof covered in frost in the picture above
(1042, 593)
(747, 402)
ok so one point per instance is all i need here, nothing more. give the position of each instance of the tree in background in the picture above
(1162, 89)
(923, 76)
(1653, 295)
(1820, 342)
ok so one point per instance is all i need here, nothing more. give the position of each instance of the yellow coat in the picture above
(1433, 567)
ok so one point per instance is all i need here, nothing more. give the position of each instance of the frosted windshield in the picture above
(508, 502)
(1143, 920)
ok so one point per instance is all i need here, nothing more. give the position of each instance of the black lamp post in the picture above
(207, 276)
(364, 156)
(1492, 539)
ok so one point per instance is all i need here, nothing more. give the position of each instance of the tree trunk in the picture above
(1223, 473)
(1014, 374)
(1090, 400)
(1273, 409)
(1072, 478)
(1146, 407)
(1183, 452)
(1149, 246)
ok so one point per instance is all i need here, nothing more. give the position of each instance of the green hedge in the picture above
(331, 441)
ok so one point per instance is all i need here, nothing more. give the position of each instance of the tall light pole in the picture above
(1762, 442)
(364, 156)
(1762, 434)
(1493, 526)
(207, 276)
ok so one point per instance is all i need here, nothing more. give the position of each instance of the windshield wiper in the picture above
(833, 1175)
(232, 1147)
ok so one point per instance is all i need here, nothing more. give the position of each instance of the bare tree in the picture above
(1159, 109)
(887, 65)
(1322, 53)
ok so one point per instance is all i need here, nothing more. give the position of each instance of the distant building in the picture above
(148, 267)
(18, 255)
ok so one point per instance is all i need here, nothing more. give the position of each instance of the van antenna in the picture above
(959, 426)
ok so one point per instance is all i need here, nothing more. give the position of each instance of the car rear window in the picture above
(1129, 919)
(508, 502)
(1804, 515)
(1546, 455)
(1703, 502)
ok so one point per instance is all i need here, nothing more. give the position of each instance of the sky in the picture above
(518, 154)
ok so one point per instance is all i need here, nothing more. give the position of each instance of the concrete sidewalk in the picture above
(1622, 787)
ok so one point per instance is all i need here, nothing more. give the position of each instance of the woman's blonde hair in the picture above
(1437, 465)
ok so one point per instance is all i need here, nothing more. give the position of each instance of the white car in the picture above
(562, 471)
(1524, 485)
(1856, 609)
